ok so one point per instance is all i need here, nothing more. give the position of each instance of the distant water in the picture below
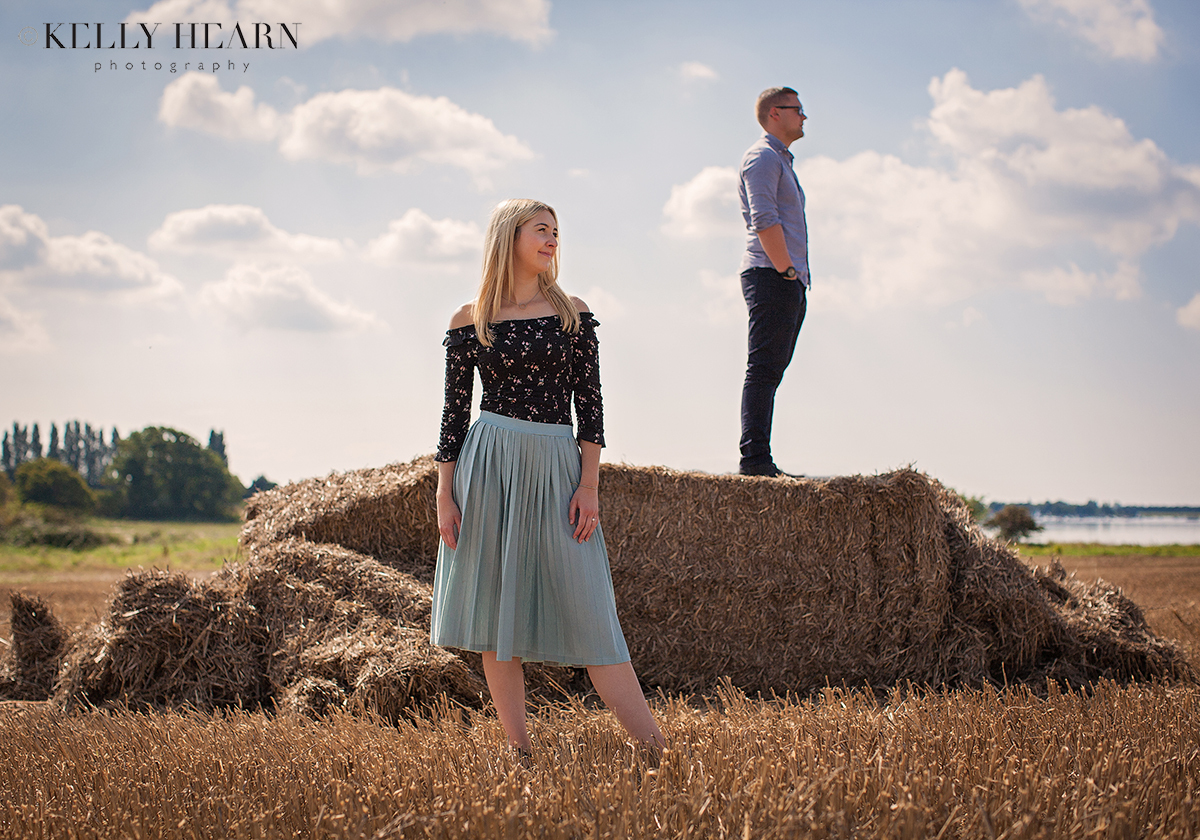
(1118, 530)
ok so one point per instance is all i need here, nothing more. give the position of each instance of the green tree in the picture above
(162, 473)
(70, 447)
(95, 456)
(1014, 522)
(50, 482)
(216, 442)
(975, 504)
(19, 445)
(54, 451)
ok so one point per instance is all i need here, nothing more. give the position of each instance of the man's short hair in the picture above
(768, 99)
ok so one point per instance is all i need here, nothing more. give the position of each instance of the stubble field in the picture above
(1120, 761)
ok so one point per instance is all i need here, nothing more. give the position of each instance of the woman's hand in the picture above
(584, 512)
(449, 520)
(449, 516)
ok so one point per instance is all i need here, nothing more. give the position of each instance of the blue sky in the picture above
(1003, 199)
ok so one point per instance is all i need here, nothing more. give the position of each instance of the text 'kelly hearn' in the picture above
(82, 36)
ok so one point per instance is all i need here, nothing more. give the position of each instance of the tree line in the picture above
(155, 473)
(1092, 508)
(82, 448)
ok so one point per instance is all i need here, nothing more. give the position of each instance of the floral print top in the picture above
(530, 372)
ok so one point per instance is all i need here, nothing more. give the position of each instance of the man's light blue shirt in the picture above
(771, 195)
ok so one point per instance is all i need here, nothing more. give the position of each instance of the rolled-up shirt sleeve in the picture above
(760, 180)
(585, 381)
(461, 357)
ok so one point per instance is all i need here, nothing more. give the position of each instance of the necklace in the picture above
(526, 303)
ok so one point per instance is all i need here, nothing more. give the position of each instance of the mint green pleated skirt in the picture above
(518, 583)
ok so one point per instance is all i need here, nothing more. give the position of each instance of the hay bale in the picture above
(387, 513)
(385, 669)
(396, 670)
(1000, 624)
(169, 641)
(312, 697)
(301, 626)
(307, 593)
(39, 643)
(1104, 634)
(774, 585)
(291, 568)
(777, 585)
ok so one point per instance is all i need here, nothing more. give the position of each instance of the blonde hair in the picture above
(770, 98)
(499, 271)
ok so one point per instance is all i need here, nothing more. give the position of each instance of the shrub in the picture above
(47, 481)
(1014, 522)
(8, 504)
(260, 485)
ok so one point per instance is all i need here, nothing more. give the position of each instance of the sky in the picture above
(1003, 199)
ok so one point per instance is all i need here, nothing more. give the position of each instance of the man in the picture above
(774, 268)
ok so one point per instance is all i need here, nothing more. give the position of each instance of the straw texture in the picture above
(775, 585)
(39, 644)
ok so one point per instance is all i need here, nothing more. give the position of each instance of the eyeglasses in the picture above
(799, 109)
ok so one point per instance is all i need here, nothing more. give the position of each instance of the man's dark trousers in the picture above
(777, 307)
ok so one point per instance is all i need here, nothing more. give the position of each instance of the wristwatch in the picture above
(789, 272)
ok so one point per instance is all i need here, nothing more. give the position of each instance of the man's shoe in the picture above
(768, 469)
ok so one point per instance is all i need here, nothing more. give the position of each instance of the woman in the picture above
(522, 571)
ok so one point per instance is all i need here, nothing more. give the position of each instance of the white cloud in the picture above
(1062, 286)
(382, 20)
(23, 238)
(1020, 133)
(279, 297)
(694, 71)
(391, 129)
(196, 101)
(1061, 202)
(93, 262)
(417, 238)
(20, 330)
(1189, 314)
(1119, 28)
(1066, 286)
(237, 229)
(707, 205)
(374, 130)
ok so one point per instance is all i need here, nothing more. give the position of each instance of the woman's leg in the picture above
(618, 687)
(506, 682)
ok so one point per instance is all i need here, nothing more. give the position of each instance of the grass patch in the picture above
(1102, 550)
(186, 546)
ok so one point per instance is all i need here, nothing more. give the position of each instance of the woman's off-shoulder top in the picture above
(530, 372)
